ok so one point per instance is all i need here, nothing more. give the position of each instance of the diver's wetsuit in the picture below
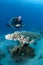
(15, 21)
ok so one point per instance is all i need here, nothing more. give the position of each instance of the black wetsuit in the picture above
(15, 21)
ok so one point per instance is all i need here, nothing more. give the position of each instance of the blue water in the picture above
(32, 15)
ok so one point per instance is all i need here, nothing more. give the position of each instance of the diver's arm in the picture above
(8, 25)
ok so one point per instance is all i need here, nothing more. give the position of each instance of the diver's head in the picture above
(19, 18)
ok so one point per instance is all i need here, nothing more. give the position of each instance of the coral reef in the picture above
(21, 52)
(24, 37)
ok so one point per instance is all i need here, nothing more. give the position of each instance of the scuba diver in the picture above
(15, 22)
